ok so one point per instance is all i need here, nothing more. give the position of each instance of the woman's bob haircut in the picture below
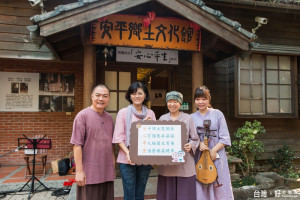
(133, 88)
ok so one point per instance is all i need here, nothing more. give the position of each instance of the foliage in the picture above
(246, 146)
(290, 173)
(247, 180)
(282, 161)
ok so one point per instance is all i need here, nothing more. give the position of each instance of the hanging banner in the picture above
(162, 33)
(139, 55)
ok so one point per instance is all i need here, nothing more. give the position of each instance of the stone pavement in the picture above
(46, 195)
(12, 179)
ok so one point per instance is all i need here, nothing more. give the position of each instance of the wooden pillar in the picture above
(89, 67)
(197, 74)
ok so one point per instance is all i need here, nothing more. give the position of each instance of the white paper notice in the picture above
(159, 140)
(19, 92)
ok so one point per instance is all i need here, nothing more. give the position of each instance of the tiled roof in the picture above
(283, 4)
(219, 15)
(64, 8)
(60, 9)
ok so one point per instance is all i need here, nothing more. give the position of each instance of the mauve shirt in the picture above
(94, 133)
(218, 123)
(120, 131)
(186, 169)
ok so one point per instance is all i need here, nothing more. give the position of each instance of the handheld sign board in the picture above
(157, 142)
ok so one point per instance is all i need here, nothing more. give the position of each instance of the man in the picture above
(93, 149)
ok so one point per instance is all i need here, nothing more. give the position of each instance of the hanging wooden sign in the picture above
(163, 33)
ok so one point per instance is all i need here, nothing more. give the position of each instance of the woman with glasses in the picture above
(134, 177)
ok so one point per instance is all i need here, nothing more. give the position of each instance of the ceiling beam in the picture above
(210, 43)
(63, 35)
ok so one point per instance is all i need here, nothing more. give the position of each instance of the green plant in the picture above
(282, 159)
(290, 173)
(248, 180)
(246, 146)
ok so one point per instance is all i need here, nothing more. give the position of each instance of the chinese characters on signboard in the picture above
(160, 140)
(157, 142)
(157, 56)
(162, 33)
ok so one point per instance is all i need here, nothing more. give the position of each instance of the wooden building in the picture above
(251, 76)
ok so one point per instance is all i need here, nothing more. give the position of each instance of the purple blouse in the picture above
(188, 168)
(218, 123)
(120, 131)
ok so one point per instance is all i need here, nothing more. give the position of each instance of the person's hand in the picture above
(213, 154)
(187, 147)
(148, 118)
(80, 178)
(203, 147)
(128, 159)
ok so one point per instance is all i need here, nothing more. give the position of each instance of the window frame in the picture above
(265, 114)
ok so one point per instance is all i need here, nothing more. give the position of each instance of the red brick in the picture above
(55, 125)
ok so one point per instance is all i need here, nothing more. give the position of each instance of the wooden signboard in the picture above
(162, 33)
(157, 142)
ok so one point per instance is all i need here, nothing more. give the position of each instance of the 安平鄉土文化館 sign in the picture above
(128, 30)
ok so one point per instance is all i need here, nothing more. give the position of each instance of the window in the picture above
(118, 83)
(265, 86)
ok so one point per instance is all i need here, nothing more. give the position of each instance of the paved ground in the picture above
(12, 179)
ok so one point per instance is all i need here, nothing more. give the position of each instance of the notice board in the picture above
(157, 142)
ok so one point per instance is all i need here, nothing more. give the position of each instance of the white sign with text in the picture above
(139, 55)
(19, 91)
(159, 140)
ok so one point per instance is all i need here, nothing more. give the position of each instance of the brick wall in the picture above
(56, 125)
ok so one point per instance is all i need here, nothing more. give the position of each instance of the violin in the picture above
(205, 167)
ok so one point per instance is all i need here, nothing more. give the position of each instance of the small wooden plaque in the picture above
(157, 142)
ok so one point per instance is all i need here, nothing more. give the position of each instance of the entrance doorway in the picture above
(118, 82)
(118, 77)
(159, 83)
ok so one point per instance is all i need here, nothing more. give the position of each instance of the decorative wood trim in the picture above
(208, 22)
(52, 49)
(256, 4)
(16, 54)
(92, 12)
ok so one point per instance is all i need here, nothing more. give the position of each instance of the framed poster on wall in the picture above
(19, 91)
(56, 92)
(158, 97)
(33, 92)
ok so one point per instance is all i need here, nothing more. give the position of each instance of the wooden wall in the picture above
(283, 25)
(15, 41)
(184, 78)
(298, 68)
(283, 28)
(219, 78)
